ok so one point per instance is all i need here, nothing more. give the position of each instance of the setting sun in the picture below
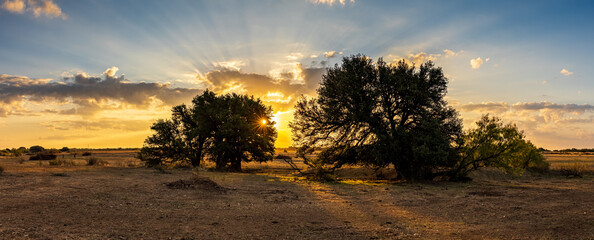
(263, 121)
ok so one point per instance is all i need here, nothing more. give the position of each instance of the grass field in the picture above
(123, 200)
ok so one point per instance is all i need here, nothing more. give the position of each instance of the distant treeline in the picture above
(571, 150)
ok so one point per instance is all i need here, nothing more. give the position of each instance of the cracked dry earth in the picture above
(139, 203)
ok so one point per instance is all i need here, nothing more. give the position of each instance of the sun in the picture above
(263, 121)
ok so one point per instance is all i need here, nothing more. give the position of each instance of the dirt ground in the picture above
(120, 201)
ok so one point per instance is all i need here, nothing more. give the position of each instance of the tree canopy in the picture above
(380, 114)
(496, 144)
(227, 130)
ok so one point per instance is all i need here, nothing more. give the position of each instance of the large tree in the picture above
(379, 114)
(227, 129)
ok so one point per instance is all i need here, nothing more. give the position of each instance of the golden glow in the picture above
(281, 123)
(263, 121)
(276, 97)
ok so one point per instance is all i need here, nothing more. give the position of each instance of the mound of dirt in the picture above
(196, 182)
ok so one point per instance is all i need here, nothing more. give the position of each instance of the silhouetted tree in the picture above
(165, 145)
(36, 149)
(379, 114)
(495, 144)
(227, 129)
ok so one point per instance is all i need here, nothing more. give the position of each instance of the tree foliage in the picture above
(379, 114)
(496, 144)
(36, 149)
(227, 129)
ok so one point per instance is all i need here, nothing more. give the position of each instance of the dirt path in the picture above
(135, 203)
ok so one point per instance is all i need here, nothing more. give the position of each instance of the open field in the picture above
(122, 201)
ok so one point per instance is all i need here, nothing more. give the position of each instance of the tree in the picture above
(36, 149)
(228, 130)
(496, 144)
(165, 145)
(379, 114)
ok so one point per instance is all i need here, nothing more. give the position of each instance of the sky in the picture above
(82, 73)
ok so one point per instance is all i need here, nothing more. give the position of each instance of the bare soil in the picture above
(268, 202)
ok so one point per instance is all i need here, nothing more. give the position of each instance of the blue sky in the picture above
(534, 67)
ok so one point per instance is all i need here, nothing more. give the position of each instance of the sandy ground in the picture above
(89, 202)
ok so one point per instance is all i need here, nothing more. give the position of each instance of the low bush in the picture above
(43, 156)
(1, 170)
(61, 162)
(87, 154)
(577, 169)
(93, 161)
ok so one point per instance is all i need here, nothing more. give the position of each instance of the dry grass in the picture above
(571, 165)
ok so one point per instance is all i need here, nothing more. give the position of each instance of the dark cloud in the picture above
(499, 107)
(553, 106)
(494, 107)
(99, 124)
(89, 94)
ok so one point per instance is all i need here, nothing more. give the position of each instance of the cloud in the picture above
(574, 108)
(499, 107)
(415, 59)
(99, 124)
(110, 72)
(16, 6)
(331, 2)
(565, 72)
(231, 65)
(279, 89)
(548, 122)
(331, 54)
(449, 53)
(87, 94)
(37, 7)
(295, 56)
(489, 107)
(476, 63)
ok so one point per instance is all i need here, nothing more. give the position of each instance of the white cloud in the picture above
(331, 2)
(16, 6)
(565, 72)
(295, 56)
(415, 59)
(38, 7)
(449, 53)
(110, 72)
(476, 63)
(331, 54)
(230, 65)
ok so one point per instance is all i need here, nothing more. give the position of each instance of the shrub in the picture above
(1, 170)
(65, 149)
(93, 161)
(43, 156)
(87, 154)
(574, 170)
(61, 162)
